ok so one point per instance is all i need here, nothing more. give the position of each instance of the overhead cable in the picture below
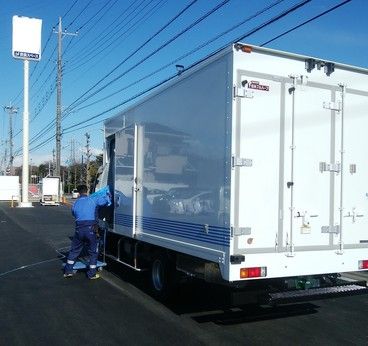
(306, 22)
(91, 46)
(70, 8)
(93, 16)
(79, 14)
(268, 22)
(74, 127)
(258, 13)
(94, 24)
(83, 97)
(147, 90)
(118, 41)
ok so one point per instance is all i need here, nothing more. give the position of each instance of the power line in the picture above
(70, 8)
(274, 19)
(81, 99)
(46, 129)
(122, 103)
(90, 47)
(95, 23)
(258, 13)
(306, 22)
(268, 22)
(69, 129)
(96, 14)
(49, 126)
(78, 15)
(262, 11)
(118, 41)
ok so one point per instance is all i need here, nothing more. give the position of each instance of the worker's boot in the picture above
(94, 277)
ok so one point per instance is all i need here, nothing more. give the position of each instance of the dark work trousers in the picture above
(84, 235)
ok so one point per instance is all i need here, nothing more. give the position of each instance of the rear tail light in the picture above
(363, 264)
(253, 272)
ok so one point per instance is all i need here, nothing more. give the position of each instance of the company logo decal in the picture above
(256, 85)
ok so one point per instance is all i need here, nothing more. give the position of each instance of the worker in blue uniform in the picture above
(85, 212)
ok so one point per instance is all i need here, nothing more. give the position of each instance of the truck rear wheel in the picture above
(162, 277)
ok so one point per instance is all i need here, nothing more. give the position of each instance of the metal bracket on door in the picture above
(333, 106)
(236, 231)
(329, 167)
(243, 92)
(328, 229)
(241, 162)
(353, 214)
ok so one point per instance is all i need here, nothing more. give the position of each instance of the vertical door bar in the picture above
(138, 175)
(280, 233)
(290, 245)
(135, 179)
(332, 174)
(341, 244)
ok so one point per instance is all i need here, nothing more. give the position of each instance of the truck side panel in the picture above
(178, 175)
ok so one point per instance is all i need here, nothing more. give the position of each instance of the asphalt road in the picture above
(39, 307)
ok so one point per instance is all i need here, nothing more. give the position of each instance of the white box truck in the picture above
(50, 191)
(249, 167)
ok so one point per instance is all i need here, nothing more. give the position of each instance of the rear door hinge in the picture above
(328, 229)
(329, 167)
(333, 106)
(243, 92)
(236, 231)
(241, 162)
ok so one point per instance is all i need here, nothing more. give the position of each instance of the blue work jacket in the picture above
(85, 208)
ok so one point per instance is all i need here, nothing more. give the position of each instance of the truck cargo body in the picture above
(50, 191)
(253, 162)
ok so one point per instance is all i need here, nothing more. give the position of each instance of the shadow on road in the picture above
(253, 313)
(205, 302)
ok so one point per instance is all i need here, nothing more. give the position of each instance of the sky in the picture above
(114, 50)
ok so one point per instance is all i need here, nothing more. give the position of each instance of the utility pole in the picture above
(60, 34)
(53, 163)
(81, 179)
(11, 110)
(6, 169)
(88, 156)
(72, 152)
(69, 180)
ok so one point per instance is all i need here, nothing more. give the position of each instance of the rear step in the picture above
(316, 293)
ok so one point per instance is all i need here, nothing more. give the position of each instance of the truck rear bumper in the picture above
(317, 262)
(317, 293)
(272, 296)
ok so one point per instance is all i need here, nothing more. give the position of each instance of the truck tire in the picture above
(162, 277)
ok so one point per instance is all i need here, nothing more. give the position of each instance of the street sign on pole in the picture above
(26, 46)
(26, 38)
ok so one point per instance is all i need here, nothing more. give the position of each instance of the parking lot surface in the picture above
(39, 307)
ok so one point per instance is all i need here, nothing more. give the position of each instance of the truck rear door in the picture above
(352, 142)
(292, 188)
(255, 163)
